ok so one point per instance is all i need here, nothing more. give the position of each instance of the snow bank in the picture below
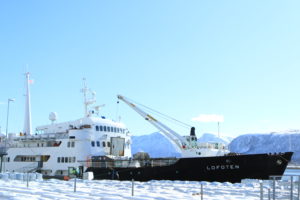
(21, 176)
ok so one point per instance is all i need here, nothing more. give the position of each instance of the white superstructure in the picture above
(56, 148)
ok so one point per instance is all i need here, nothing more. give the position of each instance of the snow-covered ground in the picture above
(114, 190)
(152, 190)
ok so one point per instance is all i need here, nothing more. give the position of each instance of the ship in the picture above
(55, 149)
(95, 144)
(198, 161)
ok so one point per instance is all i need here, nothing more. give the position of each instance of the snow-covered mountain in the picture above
(155, 144)
(158, 146)
(268, 143)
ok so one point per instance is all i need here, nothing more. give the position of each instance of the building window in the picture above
(97, 128)
(115, 129)
(62, 159)
(108, 129)
(68, 144)
(66, 159)
(108, 144)
(93, 143)
(104, 128)
(98, 144)
(72, 144)
(103, 144)
(58, 159)
(101, 128)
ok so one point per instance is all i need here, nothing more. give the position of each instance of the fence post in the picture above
(27, 179)
(201, 191)
(269, 193)
(298, 188)
(274, 187)
(292, 187)
(132, 187)
(261, 190)
(75, 184)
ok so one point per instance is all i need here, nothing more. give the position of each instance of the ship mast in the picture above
(27, 120)
(87, 101)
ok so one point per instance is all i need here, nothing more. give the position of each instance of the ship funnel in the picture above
(193, 132)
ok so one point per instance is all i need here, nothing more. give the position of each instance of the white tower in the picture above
(27, 122)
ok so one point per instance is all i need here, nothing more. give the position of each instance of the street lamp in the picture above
(5, 145)
(8, 101)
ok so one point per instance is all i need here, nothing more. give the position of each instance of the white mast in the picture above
(27, 123)
(87, 101)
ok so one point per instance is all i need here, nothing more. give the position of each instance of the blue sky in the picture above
(237, 59)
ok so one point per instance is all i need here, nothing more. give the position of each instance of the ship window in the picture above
(101, 128)
(93, 143)
(103, 144)
(58, 159)
(108, 144)
(104, 128)
(98, 144)
(97, 128)
(108, 129)
(72, 144)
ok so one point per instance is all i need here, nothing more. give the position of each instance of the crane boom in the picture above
(178, 141)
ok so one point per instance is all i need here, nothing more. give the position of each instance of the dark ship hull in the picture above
(230, 168)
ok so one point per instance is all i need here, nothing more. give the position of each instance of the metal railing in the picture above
(289, 186)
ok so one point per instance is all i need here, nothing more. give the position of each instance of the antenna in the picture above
(218, 129)
(87, 101)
